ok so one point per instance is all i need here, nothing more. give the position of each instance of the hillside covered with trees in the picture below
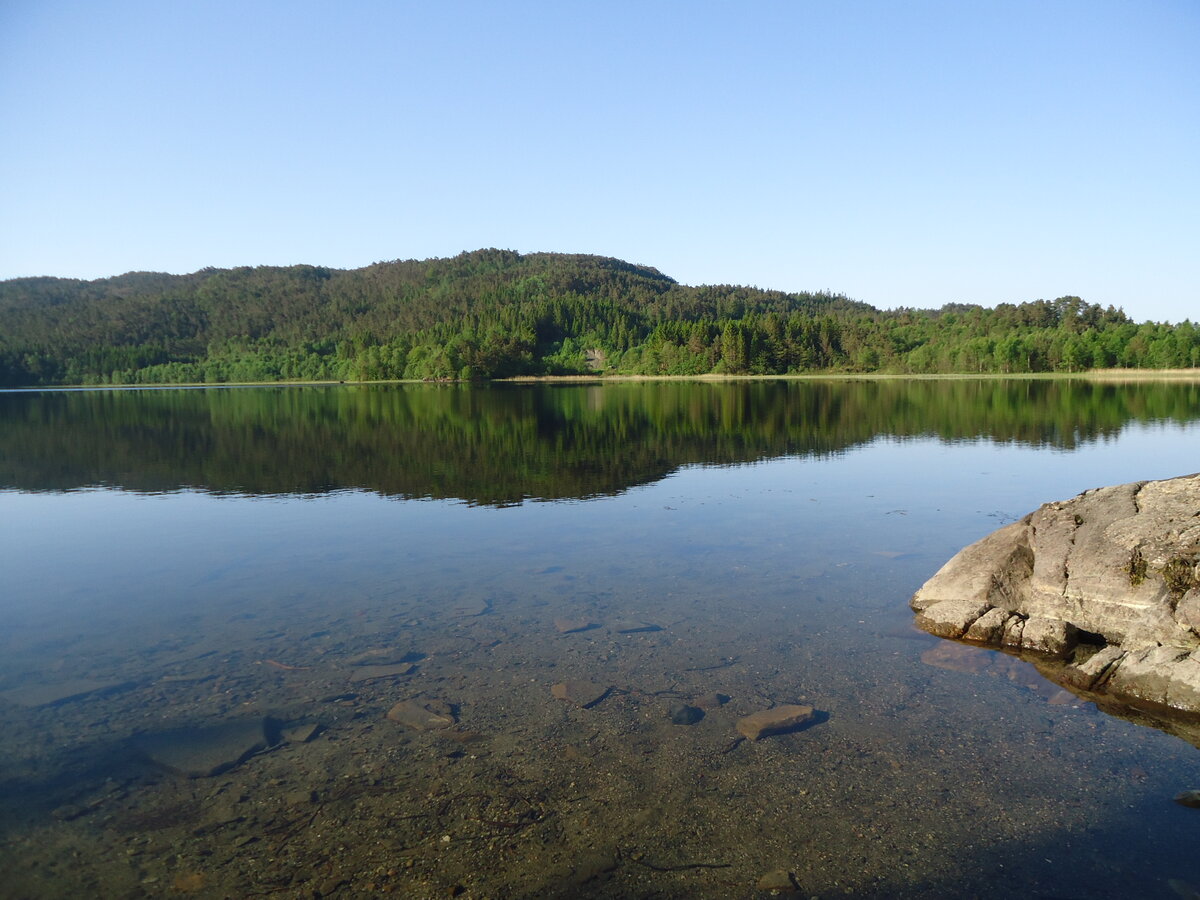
(497, 313)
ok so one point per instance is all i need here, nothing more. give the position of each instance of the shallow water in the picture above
(208, 556)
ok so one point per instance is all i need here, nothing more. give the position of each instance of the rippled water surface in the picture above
(208, 577)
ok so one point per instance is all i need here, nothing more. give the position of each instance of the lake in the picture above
(213, 599)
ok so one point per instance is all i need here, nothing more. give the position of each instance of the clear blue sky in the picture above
(903, 153)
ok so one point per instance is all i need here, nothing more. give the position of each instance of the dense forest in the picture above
(496, 314)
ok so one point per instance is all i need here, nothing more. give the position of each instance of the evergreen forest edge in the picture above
(493, 314)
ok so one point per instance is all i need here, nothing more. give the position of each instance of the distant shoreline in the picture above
(1093, 374)
(1143, 374)
(1111, 375)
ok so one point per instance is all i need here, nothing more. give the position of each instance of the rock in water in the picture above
(639, 628)
(422, 716)
(35, 695)
(712, 700)
(469, 609)
(594, 866)
(774, 721)
(1114, 570)
(301, 734)
(382, 656)
(370, 673)
(198, 752)
(779, 881)
(1189, 798)
(582, 693)
(572, 625)
(682, 714)
(951, 618)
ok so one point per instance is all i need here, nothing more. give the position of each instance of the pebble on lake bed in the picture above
(1189, 798)
(773, 721)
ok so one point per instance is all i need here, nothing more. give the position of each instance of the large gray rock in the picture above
(1116, 569)
(205, 750)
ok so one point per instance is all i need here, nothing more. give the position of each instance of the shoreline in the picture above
(1105, 375)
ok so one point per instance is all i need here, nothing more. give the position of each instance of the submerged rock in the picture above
(470, 609)
(35, 695)
(301, 734)
(382, 656)
(198, 752)
(682, 714)
(774, 721)
(572, 625)
(370, 673)
(1189, 798)
(594, 866)
(638, 628)
(1108, 582)
(955, 657)
(711, 700)
(420, 715)
(779, 881)
(189, 882)
(585, 694)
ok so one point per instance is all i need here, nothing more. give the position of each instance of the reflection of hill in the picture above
(506, 443)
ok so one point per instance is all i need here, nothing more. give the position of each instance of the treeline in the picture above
(495, 314)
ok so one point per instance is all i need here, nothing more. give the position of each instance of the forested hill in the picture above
(496, 313)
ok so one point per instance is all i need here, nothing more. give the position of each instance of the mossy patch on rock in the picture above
(1179, 575)
(1137, 567)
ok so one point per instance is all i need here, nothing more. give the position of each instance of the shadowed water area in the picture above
(494, 642)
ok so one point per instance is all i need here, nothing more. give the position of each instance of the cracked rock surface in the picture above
(1108, 582)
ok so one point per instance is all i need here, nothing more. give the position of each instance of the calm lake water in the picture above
(174, 561)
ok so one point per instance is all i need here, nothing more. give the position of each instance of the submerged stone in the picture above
(779, 881)
(422, 716)
(470, 609)
(594, 866)
(774, 721)
(301, 734)
(639, 628)
(572, 625)
(35, 695)
(1189, 798)
(682, 714)
(198, 752)
(584, 694)
(382, 656)
(370, 673)
(711, 700)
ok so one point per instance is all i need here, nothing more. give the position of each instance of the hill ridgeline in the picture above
(496, 314)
